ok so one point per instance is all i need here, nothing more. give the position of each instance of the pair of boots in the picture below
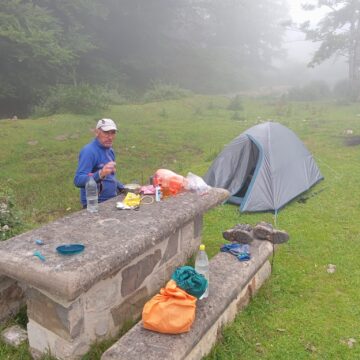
(245, 233)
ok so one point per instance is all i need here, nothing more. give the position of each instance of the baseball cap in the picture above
(106, 125)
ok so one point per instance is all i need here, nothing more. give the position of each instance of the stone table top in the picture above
(112, 238)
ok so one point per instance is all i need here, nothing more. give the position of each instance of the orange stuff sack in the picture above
(170, 312)
(170, 182)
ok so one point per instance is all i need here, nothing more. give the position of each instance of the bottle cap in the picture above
(202, 247)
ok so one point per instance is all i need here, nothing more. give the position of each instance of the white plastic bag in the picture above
(196, 184)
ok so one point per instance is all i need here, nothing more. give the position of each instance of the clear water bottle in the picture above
(202, 267)
(91, 195)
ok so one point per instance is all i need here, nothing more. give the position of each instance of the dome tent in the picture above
(264, 168)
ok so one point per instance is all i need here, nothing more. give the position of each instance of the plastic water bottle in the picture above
(91, 195)
(202, 267)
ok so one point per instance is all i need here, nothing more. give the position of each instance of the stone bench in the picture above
(232, 284)
(74, 300)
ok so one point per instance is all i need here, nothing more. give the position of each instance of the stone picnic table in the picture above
(129, 255)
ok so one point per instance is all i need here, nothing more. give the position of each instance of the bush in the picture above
(316, 90)
(160, 91)
(81, 99)
(342, 90)
(10, 221)
(237, 116)
(235, 104)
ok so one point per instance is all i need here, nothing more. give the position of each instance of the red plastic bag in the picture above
(170, 182)
(170, 312)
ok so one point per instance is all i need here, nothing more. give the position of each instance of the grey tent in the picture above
(264, 168)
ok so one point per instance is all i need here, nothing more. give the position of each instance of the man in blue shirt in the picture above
(97, 159)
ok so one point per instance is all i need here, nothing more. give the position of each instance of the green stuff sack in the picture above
(188, 279)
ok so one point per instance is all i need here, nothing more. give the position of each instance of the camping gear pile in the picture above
(172, 311)
(264, 168)
(171, 183)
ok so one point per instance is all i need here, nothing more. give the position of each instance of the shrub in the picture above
(316, 90)
(163, 113)
(342, 90)
(160, 91)
(235, 104)
(10, 221)
(81, 99)
(237, 116)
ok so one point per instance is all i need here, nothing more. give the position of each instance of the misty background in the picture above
(90, 53)
(300, 50)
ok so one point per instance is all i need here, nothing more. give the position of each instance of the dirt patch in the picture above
(32, 142)
(352, 140)
(61, 137)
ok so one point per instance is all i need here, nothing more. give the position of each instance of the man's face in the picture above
(106, 138)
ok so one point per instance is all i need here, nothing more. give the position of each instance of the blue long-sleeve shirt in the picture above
(92, 158)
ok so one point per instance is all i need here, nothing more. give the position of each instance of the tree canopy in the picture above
(338, 34)
(203, 45)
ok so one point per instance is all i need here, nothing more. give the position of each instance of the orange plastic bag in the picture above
(170, 312)
(170, 182)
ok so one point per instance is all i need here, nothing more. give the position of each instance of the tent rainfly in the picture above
(264, 168)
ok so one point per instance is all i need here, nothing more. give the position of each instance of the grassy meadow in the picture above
(302, 311)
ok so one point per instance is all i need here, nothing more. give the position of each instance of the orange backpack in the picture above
(170, 312)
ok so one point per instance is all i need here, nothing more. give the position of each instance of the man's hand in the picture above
(109, 168)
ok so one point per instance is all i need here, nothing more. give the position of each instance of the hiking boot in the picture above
(279, 237)
(263, 231)
(241, 233)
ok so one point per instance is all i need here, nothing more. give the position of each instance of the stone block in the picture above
(67, 322)
(130, 308)
(102, 295)
(42, 341)
(172, 247)
(134, 275)
(162, 276)
(11, 297)
(187, 237)
(198, 225)
(98, 325)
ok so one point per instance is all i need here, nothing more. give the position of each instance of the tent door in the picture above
(250, 169)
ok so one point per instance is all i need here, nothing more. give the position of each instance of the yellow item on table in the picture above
(132, 199)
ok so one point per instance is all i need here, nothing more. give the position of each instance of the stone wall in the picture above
(11, 297)
(68, 328)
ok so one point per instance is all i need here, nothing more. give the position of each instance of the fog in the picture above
(300, 51)
(127, 46)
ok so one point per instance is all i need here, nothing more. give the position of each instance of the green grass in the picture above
(301, 312)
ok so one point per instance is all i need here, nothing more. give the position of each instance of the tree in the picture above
(205, 45)
(40, 45)
(339, 35)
